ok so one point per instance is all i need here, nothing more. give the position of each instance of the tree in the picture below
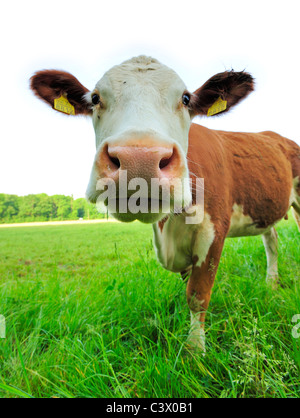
(41, 207)
(45, 209)
(79, 208)
(64, 206)
(9, 206)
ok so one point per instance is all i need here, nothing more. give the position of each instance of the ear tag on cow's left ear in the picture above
(62, 104)
(219, 106)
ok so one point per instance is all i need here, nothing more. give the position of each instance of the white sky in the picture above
(44, 151)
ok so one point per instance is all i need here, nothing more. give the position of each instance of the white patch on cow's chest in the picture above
(178, 242)
(243, 225)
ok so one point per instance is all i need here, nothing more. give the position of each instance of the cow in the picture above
(142, 114)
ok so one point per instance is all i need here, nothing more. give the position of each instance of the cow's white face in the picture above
(141, 95)
(141, 113)
(140, 122)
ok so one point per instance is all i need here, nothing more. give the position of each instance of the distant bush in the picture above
(41, 208)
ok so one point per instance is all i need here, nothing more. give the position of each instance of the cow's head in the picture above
(141, 112)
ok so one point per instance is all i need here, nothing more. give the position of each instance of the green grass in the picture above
(90, 313)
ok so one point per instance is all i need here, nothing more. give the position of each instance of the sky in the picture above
(43, 151)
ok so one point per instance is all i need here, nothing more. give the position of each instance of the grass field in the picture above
(90, 313)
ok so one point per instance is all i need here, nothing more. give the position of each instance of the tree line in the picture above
(41, 207)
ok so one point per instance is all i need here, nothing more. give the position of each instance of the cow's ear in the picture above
(62, 91)
(220, 93)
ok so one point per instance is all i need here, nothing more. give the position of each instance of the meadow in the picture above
(90, 313)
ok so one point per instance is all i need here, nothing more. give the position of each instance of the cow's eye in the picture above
(95, 99)
(186, 99)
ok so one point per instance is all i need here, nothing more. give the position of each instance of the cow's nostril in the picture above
(115, 161)
(113, 158)
(164, 162)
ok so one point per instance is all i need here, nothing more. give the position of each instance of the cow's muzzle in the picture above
(145, 181)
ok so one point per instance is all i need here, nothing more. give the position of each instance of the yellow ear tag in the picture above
(62, 104)
(218, 107)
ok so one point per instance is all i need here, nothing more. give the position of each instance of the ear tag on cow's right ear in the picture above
(63, 105)
(219, 106)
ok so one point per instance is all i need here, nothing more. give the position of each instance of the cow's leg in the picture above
(270, 240)
(199, 289)
(296, 213)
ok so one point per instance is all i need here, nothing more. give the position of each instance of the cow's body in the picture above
(251, 181)
(141, 113)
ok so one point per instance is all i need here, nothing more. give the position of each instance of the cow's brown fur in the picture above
(52, 84)
(253, 170)
(201, 281)
(161, 223)
(229, 85)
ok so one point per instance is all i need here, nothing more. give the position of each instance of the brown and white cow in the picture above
(142, 111)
